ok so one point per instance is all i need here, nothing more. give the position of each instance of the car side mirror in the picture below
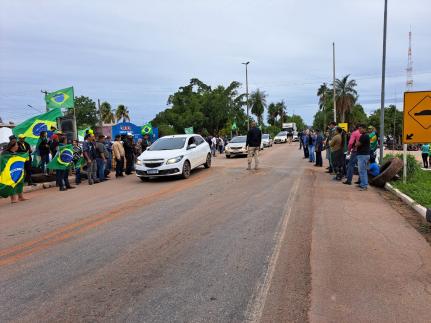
(191, 146)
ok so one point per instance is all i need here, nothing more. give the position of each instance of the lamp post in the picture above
(382, 99)
(246, 93)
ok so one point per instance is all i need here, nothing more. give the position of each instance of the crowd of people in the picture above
(97, 155)
(345, 151)
(217, 144)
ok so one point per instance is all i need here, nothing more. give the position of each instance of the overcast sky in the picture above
(139, 52)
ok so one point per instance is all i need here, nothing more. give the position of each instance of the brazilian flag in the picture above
(147, 129)
(60, 99)
(12, 173)
(188, 131)
(234, 126)
(63, 159)
(32, 127)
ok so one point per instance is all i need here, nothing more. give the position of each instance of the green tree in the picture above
(106, 113)
(258, 104)
(272, 114)
(122, 112)
(346, 96)
(324, 94)
(393, 122)
(85, 111)
(357, 115)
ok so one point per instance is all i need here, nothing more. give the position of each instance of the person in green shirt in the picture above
(425, 153)
(373, 139)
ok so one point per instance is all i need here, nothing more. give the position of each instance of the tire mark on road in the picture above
(13, 254)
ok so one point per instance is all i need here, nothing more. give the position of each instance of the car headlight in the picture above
(139, 162)
(174, 160)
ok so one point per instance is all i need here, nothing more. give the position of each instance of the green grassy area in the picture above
(418, 187)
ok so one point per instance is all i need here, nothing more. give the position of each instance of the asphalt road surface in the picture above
(226, 245)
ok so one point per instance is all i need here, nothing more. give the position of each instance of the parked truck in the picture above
(290, 128)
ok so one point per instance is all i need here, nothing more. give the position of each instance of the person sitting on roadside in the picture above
(373, 168)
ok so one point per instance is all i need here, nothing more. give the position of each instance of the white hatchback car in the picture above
(281, 137)
(173, 155)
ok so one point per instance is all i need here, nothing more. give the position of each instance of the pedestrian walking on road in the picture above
(89, 150)
(119, 154)
(254, 139)
(213, 146)
(363, 153)
(425, 149)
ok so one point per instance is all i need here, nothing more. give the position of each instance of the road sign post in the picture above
(416, 121)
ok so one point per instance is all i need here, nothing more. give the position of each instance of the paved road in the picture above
(226, 245)
(197, 250)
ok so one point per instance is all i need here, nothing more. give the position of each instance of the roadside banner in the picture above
(31, 128)
(188, 131)
(344, 126)
(60, 99)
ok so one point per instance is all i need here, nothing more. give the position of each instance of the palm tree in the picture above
(122, 113)
(272, 113)
(106, 114)
(258, 104)
(346, 96)
(281, 111)
(323, 93)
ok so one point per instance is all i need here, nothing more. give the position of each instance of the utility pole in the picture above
(382, 99)
(46, 93)
(246, 93)
(333, 82)
(100, 114)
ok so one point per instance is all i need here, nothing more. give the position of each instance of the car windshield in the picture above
(168, 144)
(239, 139)
(283, 133)
(265, 136)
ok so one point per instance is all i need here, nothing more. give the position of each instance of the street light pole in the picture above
(382, 99)
(333, 82)
(246, 93)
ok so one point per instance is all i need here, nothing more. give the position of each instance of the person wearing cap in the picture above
(24, 147)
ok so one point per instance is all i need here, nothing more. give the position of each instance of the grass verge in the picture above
(418, 187)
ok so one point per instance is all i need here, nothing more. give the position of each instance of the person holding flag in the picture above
(24, 147)
(61, 163)
(12, 172)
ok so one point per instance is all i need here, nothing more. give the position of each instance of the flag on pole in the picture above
(147, 129)
(60, 99)
(12, 174)
(234, 126)
(188, 131)
(63, 159)
(31, 128)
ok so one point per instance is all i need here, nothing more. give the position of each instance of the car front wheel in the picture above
(208, 162)
(186, 170)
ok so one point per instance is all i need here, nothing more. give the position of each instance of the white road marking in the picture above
(257, 301)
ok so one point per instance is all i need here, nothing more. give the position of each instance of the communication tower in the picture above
(409, 82)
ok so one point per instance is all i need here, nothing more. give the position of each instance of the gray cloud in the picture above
(139, 52)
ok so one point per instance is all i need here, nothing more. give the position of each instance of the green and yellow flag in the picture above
(32, 127)
(188, 131)
(63, 159)
(60, 99)
(147, 129)
(12, 173)
(234, 126)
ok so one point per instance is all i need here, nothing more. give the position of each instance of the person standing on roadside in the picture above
(101, 158)
(24, 147)
(254, 139)
(108, 146)
(213, 146)
(363, 154)
(311, 146)
(77, 155)
(336, 145)
(319, 148)
(129, 149)
(425, 149)
(331, 133)
(119, 154)
(62, 175)
(353, 160)
(89, 150)
(42, 148)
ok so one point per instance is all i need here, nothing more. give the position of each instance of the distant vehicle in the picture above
(291, 129)
(173, 155)
(236, 147)
(281, 137)
(266, 140)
